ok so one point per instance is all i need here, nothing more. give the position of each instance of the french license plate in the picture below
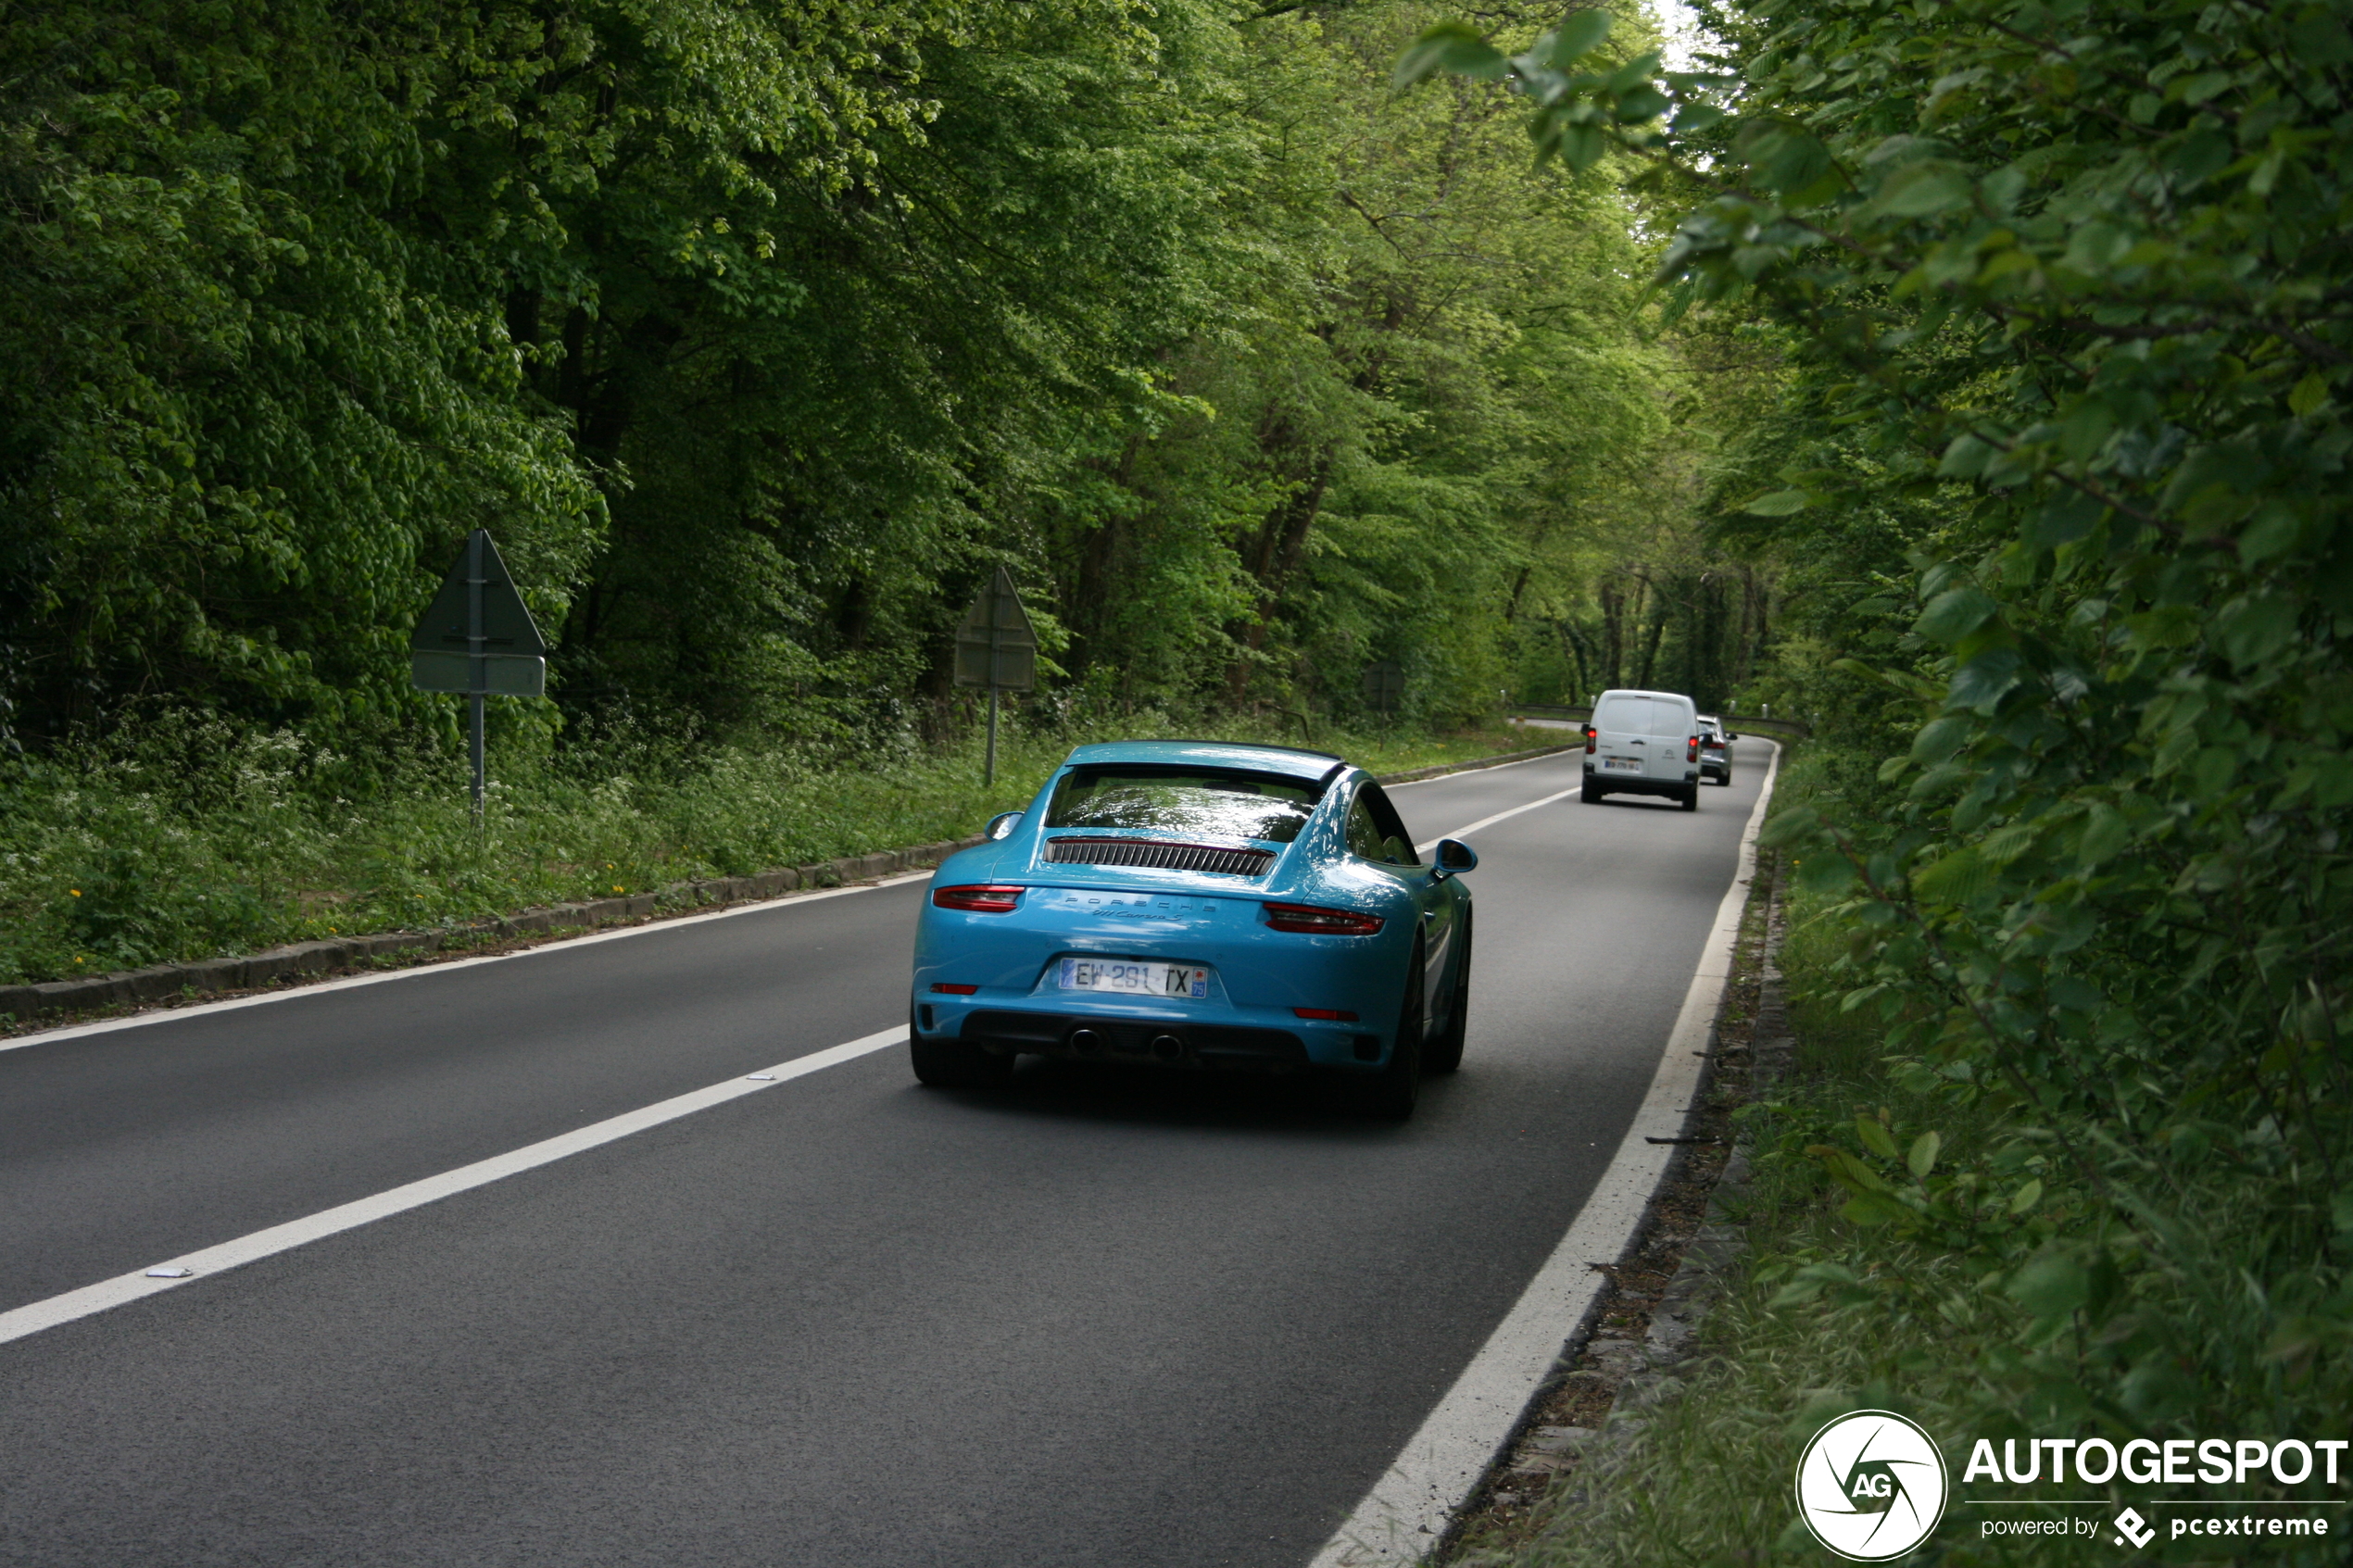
(1621, 764)
(1133, 978)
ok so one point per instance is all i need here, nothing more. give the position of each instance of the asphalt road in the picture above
(1098, 1320)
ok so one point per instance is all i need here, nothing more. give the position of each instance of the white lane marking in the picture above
(1410, 1509)
(1490, 821)
(566, 945)
(191, 1267)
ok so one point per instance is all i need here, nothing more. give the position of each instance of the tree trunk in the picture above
(1649, 644)
(1274, 556)
(1613, 632)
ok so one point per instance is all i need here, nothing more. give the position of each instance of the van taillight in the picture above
(1691, 751)
(1591, 737)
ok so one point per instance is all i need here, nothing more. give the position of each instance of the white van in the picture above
(1643, 743)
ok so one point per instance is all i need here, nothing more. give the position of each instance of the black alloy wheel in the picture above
(952, 1064)
(1446, 1053)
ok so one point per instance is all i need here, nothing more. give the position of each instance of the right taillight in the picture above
(1315, 921)
(985, 898)
(1592, 735)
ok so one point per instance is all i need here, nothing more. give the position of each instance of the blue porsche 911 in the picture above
(1198, 905)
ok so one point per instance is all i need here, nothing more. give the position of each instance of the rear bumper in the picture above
(1627, 784)
(1184, 1044)
(1194, 1040)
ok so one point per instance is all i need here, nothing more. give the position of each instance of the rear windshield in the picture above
(1206, 801)
(1641, 716)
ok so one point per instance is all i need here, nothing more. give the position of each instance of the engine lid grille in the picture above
(1159, 854)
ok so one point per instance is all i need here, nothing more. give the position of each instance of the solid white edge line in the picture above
(565, 945)
(138, 1286)
(1410, 1509)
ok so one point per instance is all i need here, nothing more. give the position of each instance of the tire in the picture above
(951, 1065)
(1691, 797)
(1592, 794)
(1446, 1054)
(1391, 1094)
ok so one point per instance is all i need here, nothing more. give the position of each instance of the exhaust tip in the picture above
(1086, 1042)
(1167, 1048)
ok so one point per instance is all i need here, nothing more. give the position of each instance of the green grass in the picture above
(184, 839)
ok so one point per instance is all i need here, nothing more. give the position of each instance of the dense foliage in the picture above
(2063, 465)
(760, 336)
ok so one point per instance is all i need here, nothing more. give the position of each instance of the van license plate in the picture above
(1133, 978)
(1621, 764)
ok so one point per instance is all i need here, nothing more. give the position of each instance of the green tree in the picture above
(2069, 283)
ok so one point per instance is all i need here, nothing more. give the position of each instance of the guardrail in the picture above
(1791, 728)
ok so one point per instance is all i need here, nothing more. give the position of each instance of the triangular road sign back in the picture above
(507, 626)
(995, 646)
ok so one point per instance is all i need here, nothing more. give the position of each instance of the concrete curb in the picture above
(161, 982)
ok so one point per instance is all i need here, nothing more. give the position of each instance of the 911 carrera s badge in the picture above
(1133, 906)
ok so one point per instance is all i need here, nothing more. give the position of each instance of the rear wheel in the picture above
(1392, 1094)
(1592, 794)
(1445, 1053)
(1690, 796)
(952, 1064)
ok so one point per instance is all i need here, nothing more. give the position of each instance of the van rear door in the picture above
(1622, 742)
(1672, 724)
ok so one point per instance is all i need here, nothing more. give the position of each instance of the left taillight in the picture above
(983, 898)
(1317, 921)
(1691, 752)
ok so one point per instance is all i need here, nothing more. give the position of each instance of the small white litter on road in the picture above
(762, 1077)
(169, 1271)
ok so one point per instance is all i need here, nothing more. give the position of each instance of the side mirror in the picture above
(1001, 825)
(1453, 854)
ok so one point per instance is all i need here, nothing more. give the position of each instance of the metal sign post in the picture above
(1384, 688)
(997, 648)
(477, 639)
